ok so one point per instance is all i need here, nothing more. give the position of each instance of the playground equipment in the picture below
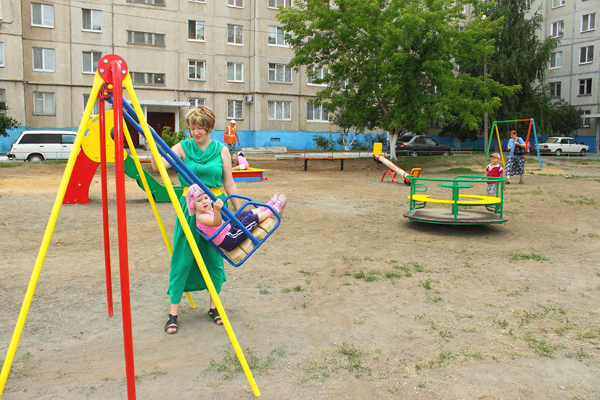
(494, 206)
(112, 74)
(529, 130)
(248, 175)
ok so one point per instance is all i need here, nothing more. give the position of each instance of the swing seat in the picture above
(246, 247)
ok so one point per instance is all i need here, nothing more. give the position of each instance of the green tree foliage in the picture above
(392, 64)
(6, 122)
(520, 58)
(170, 137)
(566, 119)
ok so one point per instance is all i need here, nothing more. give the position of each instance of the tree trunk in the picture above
(392, 139)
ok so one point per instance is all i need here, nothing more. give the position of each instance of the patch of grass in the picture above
(298, 288)
(516, 256)
(460, 171)
(264, 291)
(468, 352)
(443, 358)
(359, 275)
(286, 290)
(150, 375)
(581, 355)
(426, 284)
(287, 263)
(25, 365)
(540, 346)
(349, 259)
(562, 328)
(231, 364)
(503, 324)
(588, 333)
(434, 299)
(592, 234)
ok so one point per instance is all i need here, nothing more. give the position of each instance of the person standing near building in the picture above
(230, 136)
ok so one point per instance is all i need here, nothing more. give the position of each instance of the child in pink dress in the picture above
(209, 220)
(241, 162)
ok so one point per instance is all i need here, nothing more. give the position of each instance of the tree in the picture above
(566, 119)
(392, 64)
(520, 58)
(6, 122)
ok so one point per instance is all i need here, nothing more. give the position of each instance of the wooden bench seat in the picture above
(323, 158)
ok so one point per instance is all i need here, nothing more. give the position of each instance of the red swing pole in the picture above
(103, 172)
(118, 71)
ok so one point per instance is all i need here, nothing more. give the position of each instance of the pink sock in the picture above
(269, 212)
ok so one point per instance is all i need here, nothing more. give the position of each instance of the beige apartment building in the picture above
(229, 55)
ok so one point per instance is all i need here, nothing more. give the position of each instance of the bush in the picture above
(323, 143)
(170, 137)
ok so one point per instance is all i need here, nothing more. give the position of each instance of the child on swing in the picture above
(209, 220)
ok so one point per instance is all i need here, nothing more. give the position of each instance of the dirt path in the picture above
(346, 300)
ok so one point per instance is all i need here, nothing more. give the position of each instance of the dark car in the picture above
(419, 145)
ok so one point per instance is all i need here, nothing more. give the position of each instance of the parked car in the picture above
(42, 145)
(560, 145)
(415, 145)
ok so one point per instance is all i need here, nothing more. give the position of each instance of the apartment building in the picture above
(229, 55)
(573, 70)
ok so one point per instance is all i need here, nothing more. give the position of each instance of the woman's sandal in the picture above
(214, 314)
(171, 324)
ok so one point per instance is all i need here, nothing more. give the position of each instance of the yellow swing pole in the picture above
(188, 234)
(12, 348)
(140, 171)
(500, 145)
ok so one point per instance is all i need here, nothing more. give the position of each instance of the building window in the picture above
(3, 95)
(555, 89)
(151, 2)
(277, 36)
(277, 3)
(96, 108)
(196, 102)
(196, 31)
(1, 54)
(280, 73)
(42, 15)
(556, 60)
(585, 86)
(196, 70)
(234, 109)
(557, 29)
(235, 72)
(586, 55)
(279, 110)
(43, 60)
(90, 61)
(149, 39)
(43, 103)
(558, 3)
(91, 20)
(318, 74)
(316, 113)
(235, 3)
(198, 1)
(145, 78)
(586, 121)
(588, 22)
(235, 34)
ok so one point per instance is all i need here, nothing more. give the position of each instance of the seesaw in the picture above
(394, 169)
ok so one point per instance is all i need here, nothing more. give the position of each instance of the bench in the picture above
(323, 158)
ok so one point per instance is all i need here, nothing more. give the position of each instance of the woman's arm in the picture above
(177, 149)
(228, 182)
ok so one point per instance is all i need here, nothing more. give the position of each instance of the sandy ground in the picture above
(347, 300)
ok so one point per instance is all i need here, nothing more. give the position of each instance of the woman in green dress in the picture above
(210, 161)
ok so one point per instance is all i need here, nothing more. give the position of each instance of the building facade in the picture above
(229, 55)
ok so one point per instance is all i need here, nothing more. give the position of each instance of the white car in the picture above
(560, 145)
(36, 146)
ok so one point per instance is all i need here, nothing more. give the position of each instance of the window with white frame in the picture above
(234, 109)
(196, 70)
(585, 86)
(43, 103)
(555, 88)
(280, 73)
(586, 121)
(556, 59)
(316, 113)
(91, 20)
(557, 29)
(196, 101)
(42, 15)
(317, 74)
(558, 3)
(3, 95)
(1, 54)
(147, 38)
(148, 78)
(235, 3)
(96, 108)
(90, 61)
(235, 34)
(235, 72)
(277, 3)
(151, 2)
(277, 36)
(588, 22)
(196, 31)
(43, 60)
(586, 55)
(279, 110)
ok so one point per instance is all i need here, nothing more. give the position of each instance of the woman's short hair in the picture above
(202, 116)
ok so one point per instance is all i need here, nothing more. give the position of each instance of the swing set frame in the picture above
(530, 128)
